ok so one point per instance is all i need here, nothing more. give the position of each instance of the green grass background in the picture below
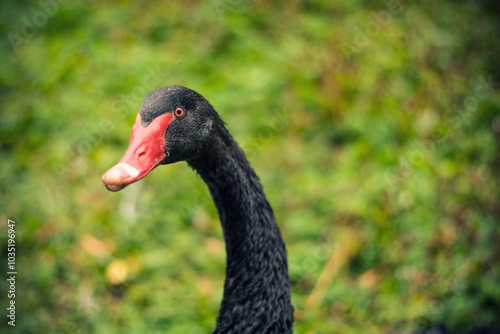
(374, 126)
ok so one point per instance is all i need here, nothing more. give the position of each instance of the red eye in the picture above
(179, 112)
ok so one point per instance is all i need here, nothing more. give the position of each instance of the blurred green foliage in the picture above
(374, 127)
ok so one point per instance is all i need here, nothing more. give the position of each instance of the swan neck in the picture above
(257, 284)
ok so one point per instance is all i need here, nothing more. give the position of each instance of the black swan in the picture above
(176, 123)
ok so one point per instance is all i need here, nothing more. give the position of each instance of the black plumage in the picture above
(257, 286)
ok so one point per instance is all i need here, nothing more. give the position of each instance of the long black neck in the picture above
(257, 285)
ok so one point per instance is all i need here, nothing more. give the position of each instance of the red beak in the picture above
(145, 151)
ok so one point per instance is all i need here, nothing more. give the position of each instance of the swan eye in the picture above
(179, 112)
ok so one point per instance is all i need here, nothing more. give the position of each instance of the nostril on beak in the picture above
(140, 155)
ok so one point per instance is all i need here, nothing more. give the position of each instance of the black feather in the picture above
(257, 286)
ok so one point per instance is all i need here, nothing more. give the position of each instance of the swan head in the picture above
(174, 124)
